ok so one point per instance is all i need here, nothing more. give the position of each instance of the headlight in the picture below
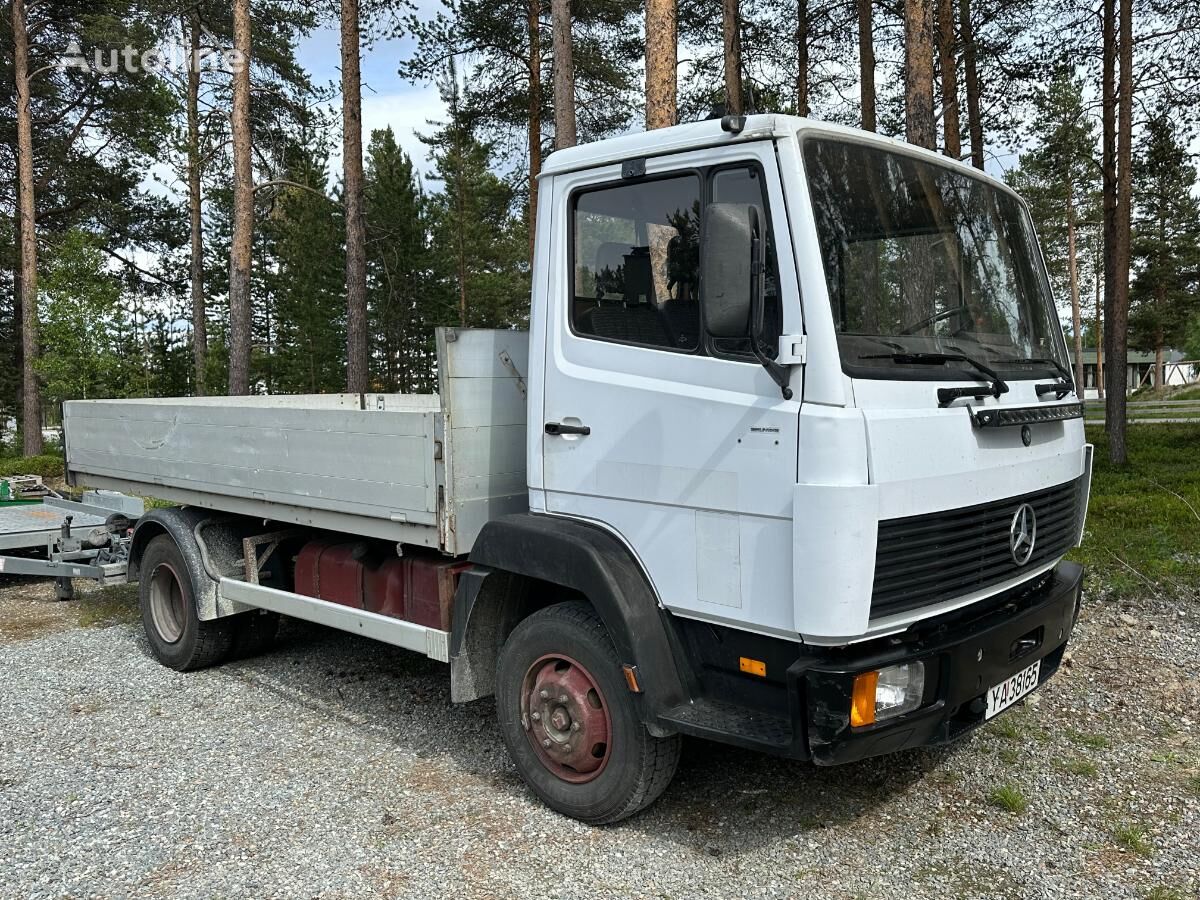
(886, 693)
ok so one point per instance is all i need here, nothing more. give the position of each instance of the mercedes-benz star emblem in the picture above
(1022, 534)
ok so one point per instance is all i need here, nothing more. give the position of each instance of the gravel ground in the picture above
(334, 767)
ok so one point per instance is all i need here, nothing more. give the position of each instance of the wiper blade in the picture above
(948, 395)
(1060, 389)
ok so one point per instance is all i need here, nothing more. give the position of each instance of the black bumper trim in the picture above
(963, 658)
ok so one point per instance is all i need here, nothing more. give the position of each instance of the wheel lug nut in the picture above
(574, 726)
(563, 698)
(537, 716)
(546, 743)
(566, 748)
(544, 694)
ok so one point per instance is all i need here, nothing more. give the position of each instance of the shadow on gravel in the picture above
(723, 801)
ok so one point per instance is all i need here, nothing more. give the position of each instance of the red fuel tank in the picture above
(418, 588)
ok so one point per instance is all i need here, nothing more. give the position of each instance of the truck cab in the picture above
(813, 382)
(789, 458)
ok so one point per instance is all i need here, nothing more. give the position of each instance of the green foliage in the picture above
(1009, 799)
(1141, 533)
(44, 466)
(498, 94)
(1133, 837)
(305, 313)
(478, 247)
(403, 302)
(1059, 179)
(86, 341)
(1166, 242)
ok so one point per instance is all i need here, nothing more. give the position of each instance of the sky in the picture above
(387, 98)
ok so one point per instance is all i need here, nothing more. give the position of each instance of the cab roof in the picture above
(708, 133)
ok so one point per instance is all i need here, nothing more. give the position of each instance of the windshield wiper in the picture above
(948, 395)
(1059, 389)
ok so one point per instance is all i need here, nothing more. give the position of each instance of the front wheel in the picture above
(570, 722)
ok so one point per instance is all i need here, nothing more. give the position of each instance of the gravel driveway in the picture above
(334, 767)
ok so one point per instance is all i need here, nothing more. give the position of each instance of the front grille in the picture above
(922, 560)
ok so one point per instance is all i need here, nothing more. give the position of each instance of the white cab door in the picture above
(685, 449)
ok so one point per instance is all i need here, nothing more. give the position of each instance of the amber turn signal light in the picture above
(862, 701)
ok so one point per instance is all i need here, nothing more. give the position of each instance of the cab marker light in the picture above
(631, 678)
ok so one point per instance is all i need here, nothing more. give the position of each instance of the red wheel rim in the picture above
(565, 717)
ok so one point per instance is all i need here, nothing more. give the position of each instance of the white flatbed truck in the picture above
(789, 458)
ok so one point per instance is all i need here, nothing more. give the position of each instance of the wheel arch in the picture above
(526, 561)
(192, 530)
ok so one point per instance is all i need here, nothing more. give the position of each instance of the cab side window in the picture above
(637, 263)
(636, 277)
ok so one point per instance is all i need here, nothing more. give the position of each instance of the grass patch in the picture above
(1009, 799)
(1193, 785)
(1085, 739)
(1008, 727)
(1132, 837)
(1141, 533)
(1009, 756)
(113, 605)
(1083, 767)
(46, 466)
(1162, 892)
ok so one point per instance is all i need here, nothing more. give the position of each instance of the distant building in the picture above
(1140, 369)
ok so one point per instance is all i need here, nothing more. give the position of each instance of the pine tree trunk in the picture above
(918, 72)
(803, 107)
(196, 212)
(1160, 374)
(564, 75)
(661, 60)
(949, 66)
(31, 393)
(1119, 147)
(1073, 279)
(866, 61)
(357, 367)
(534, 25)
(1099, 341)
(730, 28)
(971, 73)
(243, 209)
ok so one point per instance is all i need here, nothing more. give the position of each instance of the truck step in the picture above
(718, 720)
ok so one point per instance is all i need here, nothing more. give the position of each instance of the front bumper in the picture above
(964, 655)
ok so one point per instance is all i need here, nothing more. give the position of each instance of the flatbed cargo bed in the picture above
(428, 470)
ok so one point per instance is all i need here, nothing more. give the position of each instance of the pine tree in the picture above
(1058, 178)
(403, 306)
(303, 279)
(477, 243)
(1166, 242)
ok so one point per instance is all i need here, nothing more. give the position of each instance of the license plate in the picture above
(1012, 689)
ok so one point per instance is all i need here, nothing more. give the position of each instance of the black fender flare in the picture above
(581, 557)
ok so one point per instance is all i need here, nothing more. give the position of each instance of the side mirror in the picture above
(727, 261)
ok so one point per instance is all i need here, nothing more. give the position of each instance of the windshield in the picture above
(923, 259)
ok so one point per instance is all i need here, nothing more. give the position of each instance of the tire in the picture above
(565, 651)
(178, 639)
(254, 633)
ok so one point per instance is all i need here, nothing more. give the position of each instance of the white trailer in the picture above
(790, 458)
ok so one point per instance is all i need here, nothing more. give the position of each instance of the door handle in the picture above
(558, 428)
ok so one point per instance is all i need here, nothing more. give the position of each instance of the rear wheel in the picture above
(570, 722)
(167, 597)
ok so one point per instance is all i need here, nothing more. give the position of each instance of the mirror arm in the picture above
(779, 374)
